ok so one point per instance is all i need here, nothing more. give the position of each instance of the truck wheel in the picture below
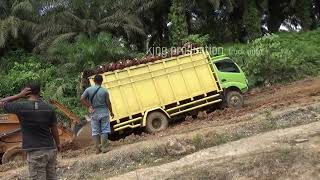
(156, 121)
(234, 99)
(14, 153)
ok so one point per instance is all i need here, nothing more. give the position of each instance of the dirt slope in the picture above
(168, 149)
(276, 97)
(276, 107)
(279, 140)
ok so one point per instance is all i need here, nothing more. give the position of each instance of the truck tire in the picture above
(156, 121)
(234, 100)
(13, 153)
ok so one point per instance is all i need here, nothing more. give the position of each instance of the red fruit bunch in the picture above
(124, 63)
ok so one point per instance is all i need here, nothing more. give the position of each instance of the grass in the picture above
(279, 163)
(197, 141)
(268, 123)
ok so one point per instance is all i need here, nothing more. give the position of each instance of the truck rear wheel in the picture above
(156, 121)
(234, 100)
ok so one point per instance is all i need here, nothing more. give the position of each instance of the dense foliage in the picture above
(60, 70)
(55, 40)
(279, 58)
(178, 27)
(38, 25)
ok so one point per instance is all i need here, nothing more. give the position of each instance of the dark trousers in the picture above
(42, 164)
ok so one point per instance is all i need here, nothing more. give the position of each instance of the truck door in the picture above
(230, 75)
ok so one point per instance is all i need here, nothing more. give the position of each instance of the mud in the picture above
(266, 109)
(263, 156)
(277, 97)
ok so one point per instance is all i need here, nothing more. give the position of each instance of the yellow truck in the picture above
(149, 95)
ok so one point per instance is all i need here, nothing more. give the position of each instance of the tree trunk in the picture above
(276, 15)
(179, 27)
(252, 20)
(303, 10)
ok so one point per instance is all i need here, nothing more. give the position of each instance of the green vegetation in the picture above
(60, 70)
(54, 41)
(279, 57)
(89, 18)
(16, 19)
(252, 20)
(197, 39)
(179, 27)
(197, 141)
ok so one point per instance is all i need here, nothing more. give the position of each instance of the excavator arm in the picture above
(73, 118)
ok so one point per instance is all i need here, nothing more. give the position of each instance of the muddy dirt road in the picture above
(276, 97)
(298, 144)
(289, 107)
(259, 99)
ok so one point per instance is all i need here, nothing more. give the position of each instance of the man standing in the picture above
(40, 138)
(97, 100)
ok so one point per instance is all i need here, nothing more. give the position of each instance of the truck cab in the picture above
(232, 79)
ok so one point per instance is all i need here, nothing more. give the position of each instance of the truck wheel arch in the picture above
(231, 88)
(144, 121)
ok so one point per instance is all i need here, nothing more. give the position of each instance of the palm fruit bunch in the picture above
(125, 63)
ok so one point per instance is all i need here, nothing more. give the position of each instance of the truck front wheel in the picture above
(234, 100)
(156, 121)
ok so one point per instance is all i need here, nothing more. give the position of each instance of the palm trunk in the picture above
(276, 15)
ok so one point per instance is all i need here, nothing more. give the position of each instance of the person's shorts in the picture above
(100, 124)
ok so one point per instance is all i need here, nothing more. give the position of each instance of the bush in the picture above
(20, 73)
(67, 92)
(25, 67)
(60, 69)
(87, 52)
(7, 61)
(278, 58)
(266, 62)
(197, 39)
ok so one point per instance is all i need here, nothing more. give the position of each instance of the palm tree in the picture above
(16, 18)
(67, 20)
(156, 19)
(224, 20)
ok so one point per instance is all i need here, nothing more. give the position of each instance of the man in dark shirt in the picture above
(40, 138)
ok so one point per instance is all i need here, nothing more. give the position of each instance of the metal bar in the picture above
(135, 90)
(197, 51)
(121, 93)
(2, 135)
(74, 119)
(184, 79)
(194, 67)
(184, 105)
(170, 83)
(155, 84)
(214, 74)
(196, 107)
(8, 122)
(128, 126)
(166, 61)
(127, 122)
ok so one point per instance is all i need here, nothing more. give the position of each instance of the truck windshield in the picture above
(227, 66)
